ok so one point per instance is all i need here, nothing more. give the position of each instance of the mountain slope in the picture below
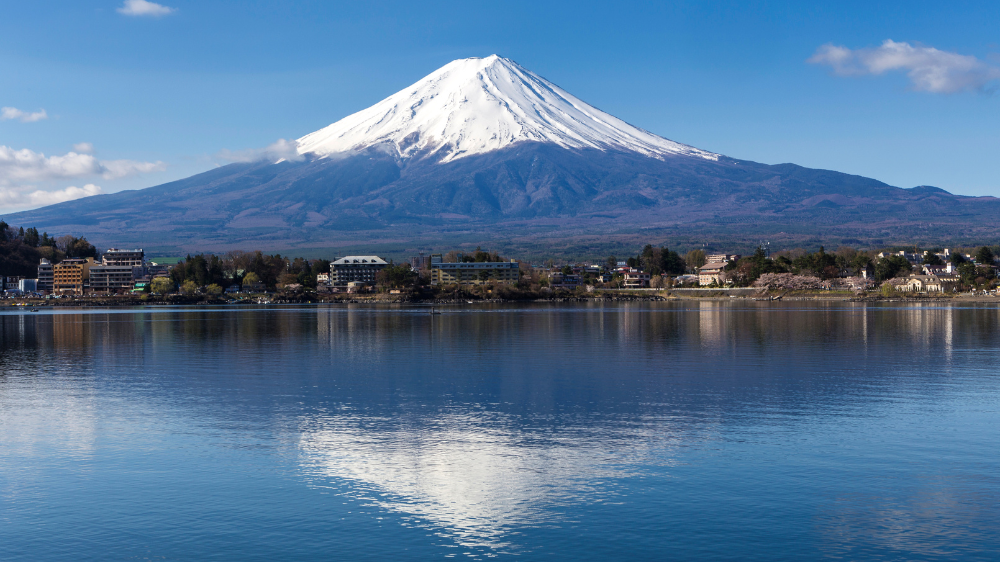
(484, 152)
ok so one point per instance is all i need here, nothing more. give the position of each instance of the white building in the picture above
(356, 269)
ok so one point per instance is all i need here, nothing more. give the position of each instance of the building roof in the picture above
(713, 266)
(360, 260)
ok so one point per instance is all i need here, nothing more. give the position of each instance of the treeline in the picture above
(21, 249)
(238, 268)
(850, 262)
(479, 256)
(655, 261)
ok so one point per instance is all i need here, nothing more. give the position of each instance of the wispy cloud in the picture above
(83, 148)
(15, 198)
(115, 169)
(144, 8)
(19, 166)
(11, 113)
(929, 69)
(280, 150)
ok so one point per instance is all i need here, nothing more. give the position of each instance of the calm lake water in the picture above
(644, 431)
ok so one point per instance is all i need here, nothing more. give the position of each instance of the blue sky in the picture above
(150, 94)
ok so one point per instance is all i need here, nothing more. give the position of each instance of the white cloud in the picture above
(25, 165)
(280, 150)
(115, 169)
(144, 8)
(11, 199)
(83, 148)
(929, 69)
(11, 113)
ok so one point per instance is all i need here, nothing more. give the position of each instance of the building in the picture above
(355, 269)
(27, 285)
(9, 283)
(635, 279)
(72, 275)
(118, 271)
(711, 273)
(473, 273)
(420, 262)
(130, 258)
(45, 276)
(721, 258)
(559, 280)
(322, 278)
(947, 269)
(913, 257)
(924, 284)
(687, 279)
(258, 287)
(154, 270)
(114, 278)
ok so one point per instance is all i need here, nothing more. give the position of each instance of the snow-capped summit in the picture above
(477, 105)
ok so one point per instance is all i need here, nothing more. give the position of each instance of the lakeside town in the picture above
(34, 265)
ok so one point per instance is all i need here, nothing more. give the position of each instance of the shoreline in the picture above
(382, 298)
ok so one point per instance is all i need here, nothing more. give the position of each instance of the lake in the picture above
(637, 431)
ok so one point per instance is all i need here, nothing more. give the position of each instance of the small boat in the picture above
(433, 311)
(470, 302)
(34, 310)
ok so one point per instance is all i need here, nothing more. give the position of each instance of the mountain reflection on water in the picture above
(646, 430)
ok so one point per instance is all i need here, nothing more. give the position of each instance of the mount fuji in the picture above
(484, 151)
(475, 106)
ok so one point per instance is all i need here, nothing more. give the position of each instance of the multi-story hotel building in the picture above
(71, 275)
(131, 258)
(356, 269)
(113, 278)
(118, 271)
(45, 276)
(473, 273)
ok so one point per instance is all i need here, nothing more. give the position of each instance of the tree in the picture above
(18, 259)
(746, 271)
(251, 279)
(612, 263)
(162, 285)
(695, 258)
(189, 287)
(819, 263)
(888, 267)
(76, 247)
(957, 259)
(930, 258)
(860, 262)
(967, 273)
(31, 237)
(887, 290)
(396, 276)
(286, 279)
(214, 290)
(985, 256)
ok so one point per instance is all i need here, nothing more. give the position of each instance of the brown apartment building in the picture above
(71, 275)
